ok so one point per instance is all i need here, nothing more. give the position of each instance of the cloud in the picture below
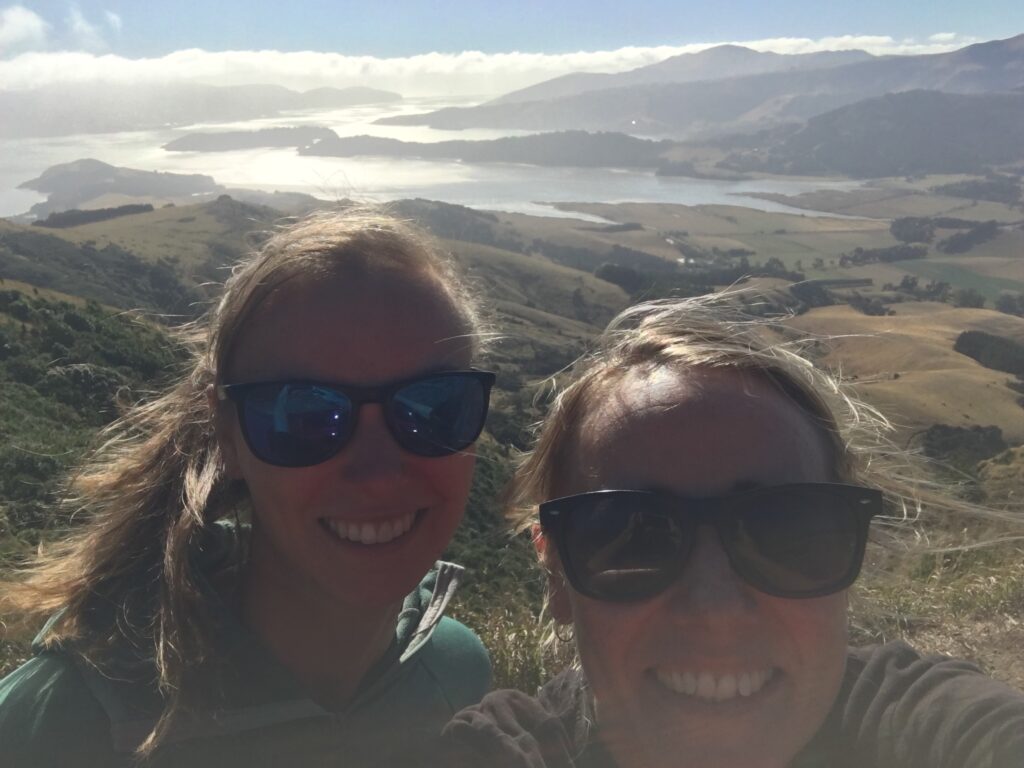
(880, 45)
(470, 73)
(21, 28)
(83, 34)
(113, 20)
(943, 37)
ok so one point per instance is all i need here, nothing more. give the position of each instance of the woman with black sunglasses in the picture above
(331, 401)
(701, 499)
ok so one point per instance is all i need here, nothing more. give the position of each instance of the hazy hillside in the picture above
(86, 108)
(565, 148)
(95, 184)
(749, 102)
(70, 184)
(718, 63)
(899, 134)
(226, 141)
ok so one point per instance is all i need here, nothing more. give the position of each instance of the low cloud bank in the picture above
(470, 73)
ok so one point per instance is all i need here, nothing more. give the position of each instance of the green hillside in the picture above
(68, 351)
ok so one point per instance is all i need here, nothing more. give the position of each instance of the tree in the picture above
(908, 284)
(1010, 304)
(968, 297)
(913, 229)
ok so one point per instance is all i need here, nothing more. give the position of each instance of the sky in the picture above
(476, 44)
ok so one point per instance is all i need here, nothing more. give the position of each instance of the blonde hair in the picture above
(712, 332)
(128, 576)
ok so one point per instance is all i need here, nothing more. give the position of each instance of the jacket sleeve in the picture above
(900, 710)
(49, 719)
(508, 729)
(459, 663)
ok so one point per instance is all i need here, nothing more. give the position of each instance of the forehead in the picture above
(695, 432)
(364, 329)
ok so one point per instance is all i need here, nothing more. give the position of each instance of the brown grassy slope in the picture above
(893, 197)
(935, 384)
(542, 313)
(786, 236)
(590, 235)
(191, 237)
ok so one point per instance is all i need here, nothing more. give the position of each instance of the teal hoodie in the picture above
(58, 710)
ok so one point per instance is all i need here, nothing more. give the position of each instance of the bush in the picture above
(913, 229)
(962, 242)
(1010, 304)
(995, 352)
(968, 297)
(962, 447)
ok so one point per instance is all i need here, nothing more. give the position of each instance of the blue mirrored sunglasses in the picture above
(300, 423)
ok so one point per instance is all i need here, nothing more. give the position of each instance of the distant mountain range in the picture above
(718, 63)
(71, 109)
(917, 132)
(689, 108)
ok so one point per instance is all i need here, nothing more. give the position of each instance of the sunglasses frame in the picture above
(358, 395)
(719, 512)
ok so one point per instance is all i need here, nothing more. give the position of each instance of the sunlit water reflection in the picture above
(497, 186)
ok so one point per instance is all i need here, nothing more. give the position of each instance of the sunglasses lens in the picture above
(439, 415)
(804, 542)
(295, 425)
(623, 548)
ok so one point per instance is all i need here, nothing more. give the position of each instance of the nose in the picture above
(372, 455)
(709, 586)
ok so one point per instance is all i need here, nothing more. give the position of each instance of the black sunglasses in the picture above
(795, 541)
(297, 423)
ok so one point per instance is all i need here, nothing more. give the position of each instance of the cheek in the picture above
(450, 477)
(817, 633)
(610, 641)
(276, 491)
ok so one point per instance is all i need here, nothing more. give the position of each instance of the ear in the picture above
(559, 605)
(225, 434)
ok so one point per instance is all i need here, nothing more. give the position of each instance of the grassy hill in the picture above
(64, 350)
(197, 241)
(905, 364)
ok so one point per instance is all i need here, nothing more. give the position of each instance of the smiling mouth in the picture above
(370, 532)
(711, 687)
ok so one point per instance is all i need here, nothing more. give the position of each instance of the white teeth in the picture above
(689, 683)
(745, 686)
(705, 685)
(726, 687)
(370, 532)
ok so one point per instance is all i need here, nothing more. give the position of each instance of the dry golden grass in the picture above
(184, 235)
(890, 198)
(935, 384)
(45, 293)
(967, 604)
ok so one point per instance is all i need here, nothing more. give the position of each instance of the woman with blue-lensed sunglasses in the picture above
(701, 499)
(332, 401)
